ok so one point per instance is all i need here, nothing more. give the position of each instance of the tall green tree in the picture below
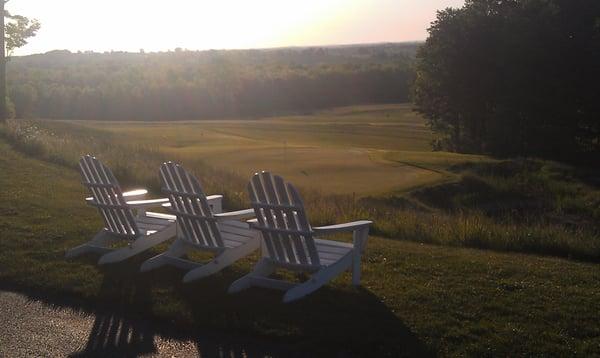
(13, 34)
(513, 77)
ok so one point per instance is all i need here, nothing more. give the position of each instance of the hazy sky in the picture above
(131, 25)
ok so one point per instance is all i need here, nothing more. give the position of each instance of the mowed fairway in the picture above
(362, 150)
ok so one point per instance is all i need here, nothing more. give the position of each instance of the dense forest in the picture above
(184, 84)
(515, 77)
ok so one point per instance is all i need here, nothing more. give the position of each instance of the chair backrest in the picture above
(282, 220)
(189, 204)
(108, 197)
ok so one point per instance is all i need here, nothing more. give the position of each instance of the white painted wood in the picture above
(263, 269)
(139, 245)
(347, 227)
(289, 242)
(98, 244)
(236, 215)
(319, 279)
(152, 203)
(201, 226)
(214, 201)
(141, 231)
(136, 194)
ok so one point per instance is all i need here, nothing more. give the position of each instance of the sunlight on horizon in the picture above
(157, 26)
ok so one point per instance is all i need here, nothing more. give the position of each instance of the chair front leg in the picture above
(356, 257)
(360, 237)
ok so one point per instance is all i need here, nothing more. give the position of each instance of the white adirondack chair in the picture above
(201, 228)
(142, 231)
(290, 242)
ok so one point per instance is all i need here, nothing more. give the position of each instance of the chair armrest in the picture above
(137, 194)
(211, 199)
(347, 227)
(359, 229)
(140, 204)
(216, 203)
(236, 215)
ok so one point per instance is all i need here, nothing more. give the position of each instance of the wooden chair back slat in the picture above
(302, 220)
(108, 197)
(265, 219)
(189, 204)
(293, 223)
(108, 185)
(282, 220)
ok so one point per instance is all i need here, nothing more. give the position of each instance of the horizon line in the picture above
(175, 49)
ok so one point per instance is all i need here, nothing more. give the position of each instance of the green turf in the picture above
(320, 151)
(416, 299)
(409, 192)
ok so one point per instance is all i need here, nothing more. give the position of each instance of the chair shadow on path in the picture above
(123, 333)
(114, 335)
(331, 322)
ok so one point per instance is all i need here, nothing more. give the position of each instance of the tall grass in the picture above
(505, 207)
(133, 163)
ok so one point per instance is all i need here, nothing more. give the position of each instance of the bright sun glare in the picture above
(162, 25)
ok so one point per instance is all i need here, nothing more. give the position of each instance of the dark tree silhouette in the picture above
(514, 77)
(183, 85)
(13, 35)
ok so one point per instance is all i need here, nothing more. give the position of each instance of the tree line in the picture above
(182, 85)
(514, 77)
(15, 30)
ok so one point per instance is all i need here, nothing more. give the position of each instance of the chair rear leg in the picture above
(319, 279)
(98, 244)
(139, 245)
(226, 258)
(263, 268)
(177, 249)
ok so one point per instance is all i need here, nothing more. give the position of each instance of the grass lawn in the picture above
(352, 162)
(416, 299)
(313, 150)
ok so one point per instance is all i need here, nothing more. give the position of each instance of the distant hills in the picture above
(183, 84)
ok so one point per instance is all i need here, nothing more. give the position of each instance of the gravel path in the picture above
(30, 328)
